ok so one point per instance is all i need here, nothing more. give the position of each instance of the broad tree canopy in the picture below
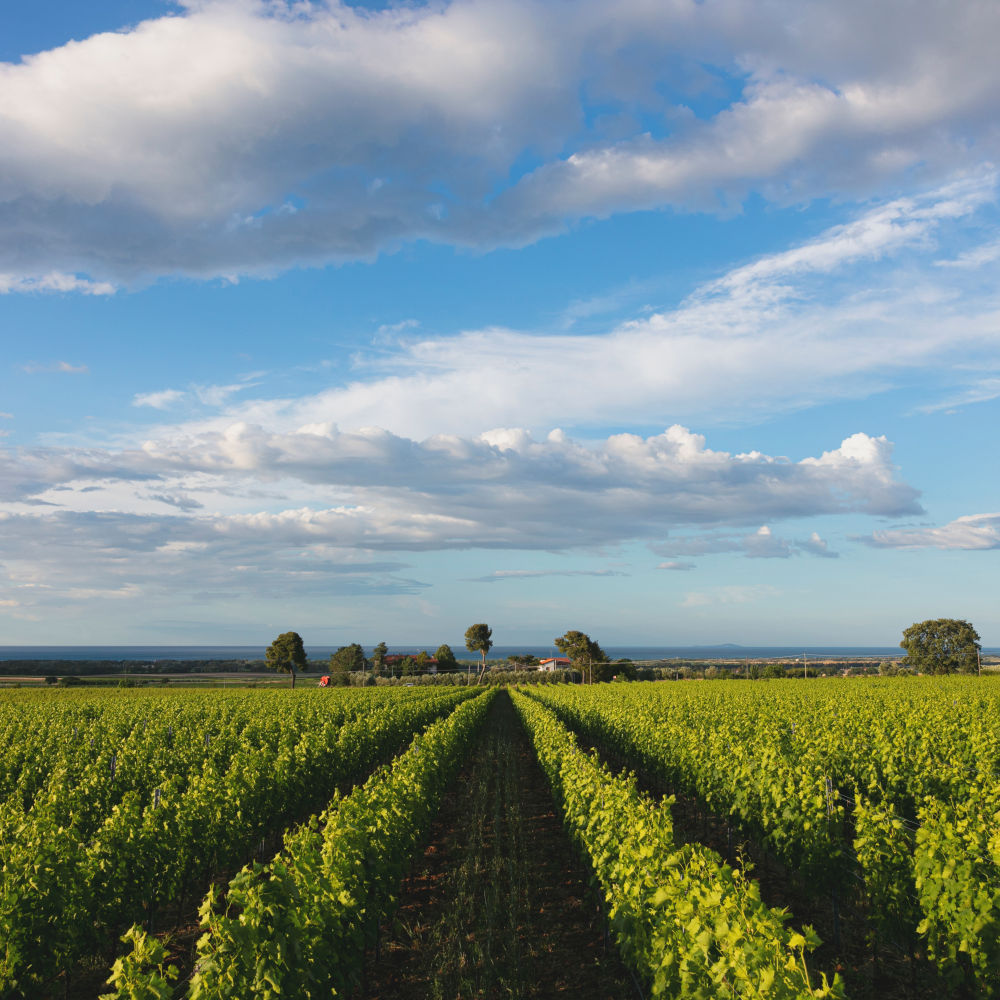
(580, 648)
(287, 654)
(348, 658)
(941, 646)
(445, 657)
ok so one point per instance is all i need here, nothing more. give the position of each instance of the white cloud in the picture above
(975, 258)
(248, 496)
(391, 331)
(817, 546)
(54, 367)
(981, 390)
(54, 281)
(242, 137)
(762, 544)
(770, 335)
(971, 532)
(215, 396)
(158, 400)
(676, 565)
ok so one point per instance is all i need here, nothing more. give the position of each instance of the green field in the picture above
(762, 839)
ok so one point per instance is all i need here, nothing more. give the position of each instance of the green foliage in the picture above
(299, 926)
(622, 670)
(773, 671)
(479, 639)
(112, 807)
(339, 674)
(583, 651)
(287, 654)
(379, 654)
(957, 867)
(141, 974)
(445, 657)
(941, 646)
(521, 661)
(883, 843)
(348, 659)
(688, 924)
(915, 760)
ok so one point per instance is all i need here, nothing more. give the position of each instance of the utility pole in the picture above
(805, 668)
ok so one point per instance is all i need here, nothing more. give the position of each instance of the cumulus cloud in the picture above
(321, 510)
(817, 546)
(332, 512)
(241, 137)
(762, 544)
(971, 532)
(71, 558)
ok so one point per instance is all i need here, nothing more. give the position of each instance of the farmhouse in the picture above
(555, 663)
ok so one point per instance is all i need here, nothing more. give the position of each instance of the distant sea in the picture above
(724, 652)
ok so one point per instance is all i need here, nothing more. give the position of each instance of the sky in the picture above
(673, 322)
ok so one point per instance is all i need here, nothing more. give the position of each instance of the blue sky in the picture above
(675, 323)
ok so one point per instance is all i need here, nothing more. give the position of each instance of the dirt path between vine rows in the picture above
(498, 905)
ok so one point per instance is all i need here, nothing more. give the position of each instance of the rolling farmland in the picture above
(827, 838)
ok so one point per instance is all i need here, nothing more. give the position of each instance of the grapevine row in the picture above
(299, 926)
(919, 820)
(69, 880)
(688, 924)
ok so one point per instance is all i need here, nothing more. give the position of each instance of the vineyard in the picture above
(392, 842)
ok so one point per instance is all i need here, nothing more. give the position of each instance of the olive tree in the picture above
(941, 646)
(287, 654)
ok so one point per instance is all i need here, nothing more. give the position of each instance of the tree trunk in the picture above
(293, 680)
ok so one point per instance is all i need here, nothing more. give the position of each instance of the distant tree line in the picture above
(935, 646)
(85, 668)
